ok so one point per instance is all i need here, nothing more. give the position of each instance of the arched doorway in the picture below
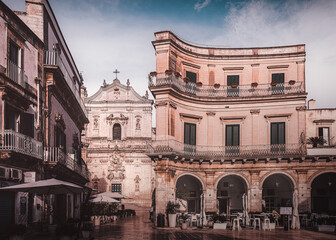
(277, 192)
(230, 190)
(189, 188)
(323, 193)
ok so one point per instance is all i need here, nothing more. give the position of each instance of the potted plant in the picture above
(216, 85)
(186, 79)
(184, 218)
(168, 72)
(153, 74)
(234, 85)
(219, 222)
(315, 141)
(177, 74)
(274, 83)
(291, 82)
(254, 84)
(199, 84)
(171, 210)
(326, 225)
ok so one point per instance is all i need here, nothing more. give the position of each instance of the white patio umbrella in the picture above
(48, 186)
(103, 199)
(114, 195)
(295, 218)
(245, 210)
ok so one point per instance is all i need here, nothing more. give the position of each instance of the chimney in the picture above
(312, 104)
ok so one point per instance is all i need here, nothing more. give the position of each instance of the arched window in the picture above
(116, 131)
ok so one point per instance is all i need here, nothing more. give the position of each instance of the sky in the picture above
(104, 35)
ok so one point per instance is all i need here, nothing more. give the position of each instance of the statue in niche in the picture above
(137, 124)
(95, 123)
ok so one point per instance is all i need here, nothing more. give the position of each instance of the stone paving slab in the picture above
(138, 228)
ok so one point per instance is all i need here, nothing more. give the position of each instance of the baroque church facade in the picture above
(116, 139)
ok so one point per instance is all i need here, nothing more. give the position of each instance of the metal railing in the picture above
(53, 58)
(16, 73)
(18, 142)
(162, 79)
(161, 147)
(57, 155)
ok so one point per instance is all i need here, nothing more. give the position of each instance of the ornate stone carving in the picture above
(116, 169)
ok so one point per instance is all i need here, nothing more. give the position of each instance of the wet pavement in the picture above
(139, 227)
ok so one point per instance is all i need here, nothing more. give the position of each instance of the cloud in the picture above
(200, 5)
(266, 23)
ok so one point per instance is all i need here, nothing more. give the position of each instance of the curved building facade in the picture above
(232, 122)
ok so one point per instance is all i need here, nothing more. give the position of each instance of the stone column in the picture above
(255, 192)
(210, 193)
(303, 191)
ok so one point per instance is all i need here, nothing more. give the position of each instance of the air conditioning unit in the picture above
(16, 174)
(4, 172)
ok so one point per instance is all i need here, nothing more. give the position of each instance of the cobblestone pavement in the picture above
(139, 227)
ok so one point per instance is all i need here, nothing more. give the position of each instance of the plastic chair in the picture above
(256, 221)
(266, 224)
(235, 223)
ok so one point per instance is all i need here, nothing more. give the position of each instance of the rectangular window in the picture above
(189, 137)
(278, 80)
(278, 138)
(116, 188)
(324, 133)
(27, 124)
(278, 133)
(60, 138)
(232, 139)
(233, 85)
(192, 76)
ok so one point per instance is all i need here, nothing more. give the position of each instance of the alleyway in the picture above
(139, 227)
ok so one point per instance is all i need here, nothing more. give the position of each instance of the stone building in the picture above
(233, 121)
(116, 139)
(43, 113)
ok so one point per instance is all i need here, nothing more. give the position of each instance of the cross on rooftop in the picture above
(116, 72)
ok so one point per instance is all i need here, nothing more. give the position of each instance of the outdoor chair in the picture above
(266, 224)
(235, 223)
(256, 221)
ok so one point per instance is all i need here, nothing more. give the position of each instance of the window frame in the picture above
(116, 135)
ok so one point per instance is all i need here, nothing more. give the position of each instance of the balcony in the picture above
(16, 73)
(55, 155)
(17, 142)
(322, 151)
(52, 58)
(164, 80)
(173, 147)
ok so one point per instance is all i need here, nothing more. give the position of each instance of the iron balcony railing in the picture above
(16, 73)
(162, 80)
(18, 142)
(161, 147)
(57, 155)
(53, 58)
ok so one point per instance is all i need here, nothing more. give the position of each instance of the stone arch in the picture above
(191, 174)
(230, 189)
(316, 174)
(246, 181)
(265, 176)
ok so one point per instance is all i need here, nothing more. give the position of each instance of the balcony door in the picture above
(189, 137)
(233, 86)
(278, 138)
(324, 134)
(232, 139)
(278, 80)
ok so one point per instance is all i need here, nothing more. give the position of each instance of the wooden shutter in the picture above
(278, 133)
(232, 79)
(190, 133)
(232, 135)
(278, 77)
